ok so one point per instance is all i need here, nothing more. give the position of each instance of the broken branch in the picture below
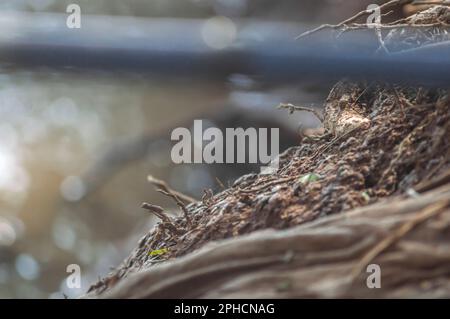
(165, 190)
(345, 23)
(158, 211)
(292, 108)
(164, 186)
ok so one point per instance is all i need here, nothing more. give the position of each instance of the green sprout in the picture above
(366, 196)
(309, 178)
(158, 252)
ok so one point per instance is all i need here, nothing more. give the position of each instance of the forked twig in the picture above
(158, 211)
(166, 221)
(164, 186)
(345, 23)
(164, 189)
(179, 203)
(292, 108)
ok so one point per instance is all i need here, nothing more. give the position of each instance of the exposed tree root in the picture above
(316, 259)
(382, 143)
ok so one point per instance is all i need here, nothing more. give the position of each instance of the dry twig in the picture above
(292, 108)
(163, 185)
(164, 189)
(345, 24)
(158, 211)
(179, 203)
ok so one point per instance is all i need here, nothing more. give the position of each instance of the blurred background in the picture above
(76, 146)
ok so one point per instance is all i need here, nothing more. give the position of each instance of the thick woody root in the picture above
(406, 144)
(318, 259)
(382, 140)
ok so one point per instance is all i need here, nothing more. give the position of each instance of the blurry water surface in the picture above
(53, 126)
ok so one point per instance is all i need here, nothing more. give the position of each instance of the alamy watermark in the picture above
(235, 145)
(73, 281)
(374, 19)
(74, 19)
(374, 279)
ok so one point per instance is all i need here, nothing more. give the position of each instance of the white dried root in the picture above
(343, 113)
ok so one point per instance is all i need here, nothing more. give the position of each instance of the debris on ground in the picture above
(381, 142)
